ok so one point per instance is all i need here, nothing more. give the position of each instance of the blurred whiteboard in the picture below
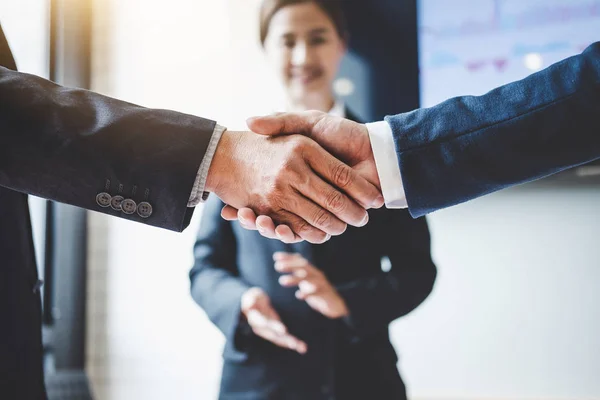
(472, 46)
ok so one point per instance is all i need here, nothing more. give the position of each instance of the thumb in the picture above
(256, 319)
(285, 123)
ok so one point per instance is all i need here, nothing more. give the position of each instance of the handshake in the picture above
(297, 176)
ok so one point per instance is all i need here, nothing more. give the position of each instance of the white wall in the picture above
(25, 24)
(514, 314)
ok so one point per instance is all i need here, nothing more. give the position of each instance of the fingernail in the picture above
(242, 220)
(379, 202)
(279, 236)
(364, 220)
(327, 237)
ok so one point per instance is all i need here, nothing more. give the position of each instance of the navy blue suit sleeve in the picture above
(376, 301)
(469, 146)
(215, 284)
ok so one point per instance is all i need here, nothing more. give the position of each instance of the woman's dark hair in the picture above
(333, 9)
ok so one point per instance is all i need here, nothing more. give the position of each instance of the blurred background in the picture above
(515, 313)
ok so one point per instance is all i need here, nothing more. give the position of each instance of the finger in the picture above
(256, 319)
(300, 295)
(290, 280)
(285, 123)
(285, 234)
(290, 264)
(229, 213)
(292, 342)
(267, 324)
(286, 341)
(301, 347)
(308, 287)
(303, 229)
(266, 227)
(284, 255)
(318, 303)
(316, 215)
(260, 320)
(247, 218)
(277, 326)
(343, 179)
(298, 271)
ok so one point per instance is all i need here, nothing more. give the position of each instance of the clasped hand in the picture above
(308, 175)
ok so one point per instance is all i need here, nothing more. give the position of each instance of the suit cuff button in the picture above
(128, 206)
(144, 209)
(103, 199)
(116, 202)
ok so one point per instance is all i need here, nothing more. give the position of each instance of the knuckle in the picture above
(308, 232)
(322, 218)
(287, 166)
(341, 175)
(273, 193)
(297, 143)
(335, 201)
(302, 228)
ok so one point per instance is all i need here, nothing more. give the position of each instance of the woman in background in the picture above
(309, 321)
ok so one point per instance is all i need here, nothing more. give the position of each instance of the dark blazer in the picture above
(70, 145)
(470, 146)
(346, 359)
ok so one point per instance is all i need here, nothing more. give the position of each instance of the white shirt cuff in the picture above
(198, 194)
(386, 161)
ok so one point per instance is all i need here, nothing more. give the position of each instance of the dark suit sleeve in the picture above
(215, 284)
(470, 146)
(69, 145)
(376, 301)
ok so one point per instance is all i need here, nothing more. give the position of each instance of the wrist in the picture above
(219, 171)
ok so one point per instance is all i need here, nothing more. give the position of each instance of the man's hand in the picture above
(293, 180)
(345, 139)
(313, 285)
(265, 322)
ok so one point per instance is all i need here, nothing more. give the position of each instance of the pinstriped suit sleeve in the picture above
(469, 146)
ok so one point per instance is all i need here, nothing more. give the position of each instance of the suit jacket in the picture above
(70, 145)
(470, 146)
(346, 359)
